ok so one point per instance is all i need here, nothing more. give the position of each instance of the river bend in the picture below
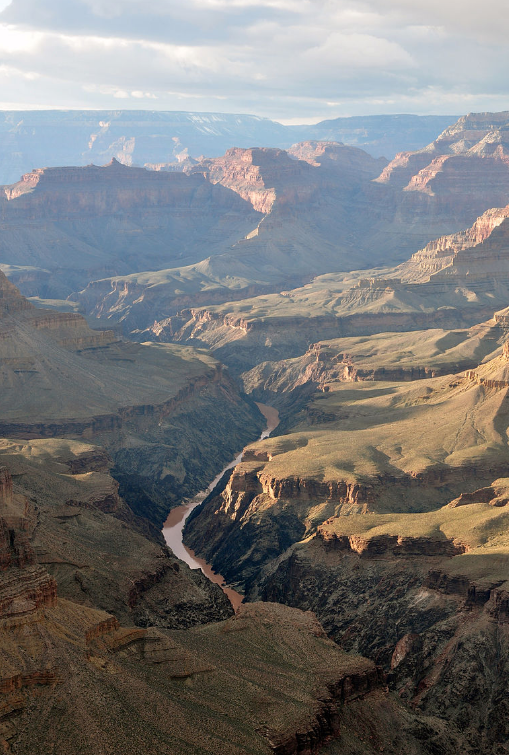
(174, 525)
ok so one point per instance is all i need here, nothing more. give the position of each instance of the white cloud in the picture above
(358, 51)
(282, 58)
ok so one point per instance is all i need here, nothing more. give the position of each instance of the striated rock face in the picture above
(475, 134)
(258, 175)
(61, 379)
(86, 223)
(25, 588)
(480, 252)
(436, 633)
(383, 357)
(453, 283)
(266, 680)
(319, 211)
(86, 535)
(389, 545)
(257, 516)
(10, 298)
(243, 343)
(354, 450)
(262, 175)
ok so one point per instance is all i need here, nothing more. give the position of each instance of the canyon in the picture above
(37, 138)
(164, 314)
(327, 211)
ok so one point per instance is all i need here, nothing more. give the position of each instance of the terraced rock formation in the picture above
(323, 210)
(155, 408)
(473, 135)
(395, 588)
(453, 282)
(312, 219)
(382, 507)
(99, 552)
(381, 357)
(356, 449)
(73, 225)
(266, 680)
(262, 175)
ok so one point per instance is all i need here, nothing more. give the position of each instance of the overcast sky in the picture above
(292, 60)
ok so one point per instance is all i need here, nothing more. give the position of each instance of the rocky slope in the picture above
(266, 680)
(390, 523)
(323, 210)
(453, 282)
(99, 553)
(81, 224)
(475, 134)
(470, 159)
(380, 357)
(434, 620)
(281, 326)
(72, 679)
(475, 257)
(155, 408)
(262, 175)
(355, 449)
(313, 219)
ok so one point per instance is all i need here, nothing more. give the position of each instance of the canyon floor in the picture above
(364, 300)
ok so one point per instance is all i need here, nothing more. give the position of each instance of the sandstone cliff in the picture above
(354, 449)
(266, 680)
(480, 252)
(470, 135)
(81, 224)
(152, 406)
(437, 625)
(319, 211)
(381, 357)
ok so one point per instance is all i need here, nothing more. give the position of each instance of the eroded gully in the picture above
(174, 525)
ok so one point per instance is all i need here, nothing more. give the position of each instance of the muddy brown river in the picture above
(174, 525)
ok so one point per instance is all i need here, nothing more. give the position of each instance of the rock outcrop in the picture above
(475, 257)
(454, 282)
(86, 223)
(473, 135)
(61, 379)
(387, 357)
(81, 530)
(436, 626)
(266, 680)
(353, 449)
(319, 211)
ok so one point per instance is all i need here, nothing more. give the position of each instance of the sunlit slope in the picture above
(359, 448)
(382, 356)
(359, 433)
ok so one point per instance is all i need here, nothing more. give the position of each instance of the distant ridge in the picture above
(35, 138)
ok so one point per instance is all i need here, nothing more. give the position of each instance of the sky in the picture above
(296, 61)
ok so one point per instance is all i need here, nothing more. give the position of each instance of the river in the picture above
(174, 525)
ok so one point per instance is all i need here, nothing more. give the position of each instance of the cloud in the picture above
(281, 58)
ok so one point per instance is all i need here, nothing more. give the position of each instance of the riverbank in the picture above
(174, 524)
